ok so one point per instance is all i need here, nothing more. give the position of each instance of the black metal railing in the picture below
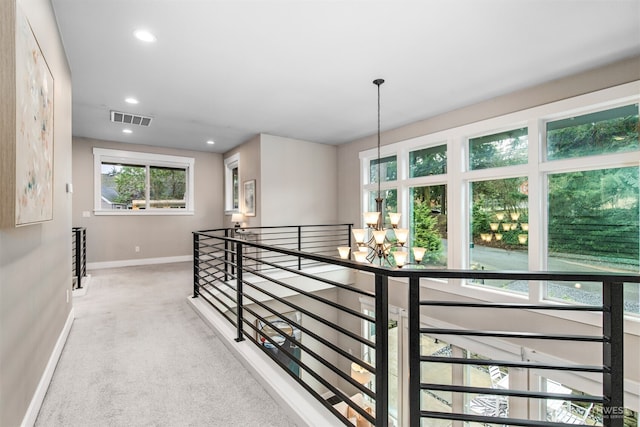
(79, 256)
(275, 294)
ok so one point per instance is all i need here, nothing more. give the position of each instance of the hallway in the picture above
(138, 355)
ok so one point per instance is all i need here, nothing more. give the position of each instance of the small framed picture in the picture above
(250, 198)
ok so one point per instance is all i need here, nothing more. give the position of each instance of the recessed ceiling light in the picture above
(127, 131)
(211, 142)
(131, 100)
(145, 36)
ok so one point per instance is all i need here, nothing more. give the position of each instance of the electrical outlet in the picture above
(137, 248)
(86, 214)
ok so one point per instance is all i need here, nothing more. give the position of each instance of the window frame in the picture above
(148, 160)
(231, 163)
(459, 176)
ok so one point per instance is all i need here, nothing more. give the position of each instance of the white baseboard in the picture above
(302, 408)
(38, 397)
(141, 261)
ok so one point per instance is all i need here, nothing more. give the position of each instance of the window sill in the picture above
(144, 212)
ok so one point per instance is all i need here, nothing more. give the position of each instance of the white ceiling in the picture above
(229, 69)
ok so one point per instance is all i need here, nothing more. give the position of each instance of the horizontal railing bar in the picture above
(230, 319)
(317, 337)
(449, 273)
(291, 256)
(271, 227)
(314, 316)
(219, 290)
(504, 334)
(512, 305)
(310, 276)
(215, 267)
(514, 393)
(305, 348)
(313, 296)
(311, 372)
(491, 420)
(510, 364)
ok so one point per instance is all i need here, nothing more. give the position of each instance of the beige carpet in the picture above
(138, 355)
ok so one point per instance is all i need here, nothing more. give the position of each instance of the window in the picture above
(499, 228)
(428, 161)
(428, 223)
(128, 182)
(593, 219)
(554, 187)
(609, 131)
(390, 203)
(388, 169)
(232, 184)
(501, 149)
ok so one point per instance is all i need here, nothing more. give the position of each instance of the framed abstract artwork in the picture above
(28, 146)
(249, 192)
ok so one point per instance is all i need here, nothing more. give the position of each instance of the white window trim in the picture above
(101, 155)
(458, 177)
(231, 163)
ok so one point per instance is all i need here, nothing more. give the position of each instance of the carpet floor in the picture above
(138, 355)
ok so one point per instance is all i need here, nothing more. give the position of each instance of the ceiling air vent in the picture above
(130, 119)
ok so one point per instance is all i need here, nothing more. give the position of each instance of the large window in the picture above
(609, 131)
(593, 220)
(551, 188)
(428, 223)
(232, 184)
(129, 182)
(500, 228)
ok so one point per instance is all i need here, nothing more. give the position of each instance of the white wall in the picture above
(35, 260)
(299, 182)
(114, 238)
(589, 81)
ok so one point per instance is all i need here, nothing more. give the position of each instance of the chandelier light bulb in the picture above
(359, 234)
(401, 235)
(394, 217)
(400, 258)
(418, 253)
(344, 251)
(371, 218)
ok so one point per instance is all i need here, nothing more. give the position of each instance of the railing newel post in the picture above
(239, 294)
(196, 264)
(299, 246)
(414, 351)
(226, 255)
(613, 354)
(382, 350)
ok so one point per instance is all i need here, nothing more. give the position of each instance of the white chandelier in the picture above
(374, 242)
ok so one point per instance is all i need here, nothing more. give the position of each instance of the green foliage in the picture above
(130, 183)
(595, 213)
(425, 228)
(388, 169)
(167, 183)
(428, 161)
(502, 149)
(480, 219)
(609, 131)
